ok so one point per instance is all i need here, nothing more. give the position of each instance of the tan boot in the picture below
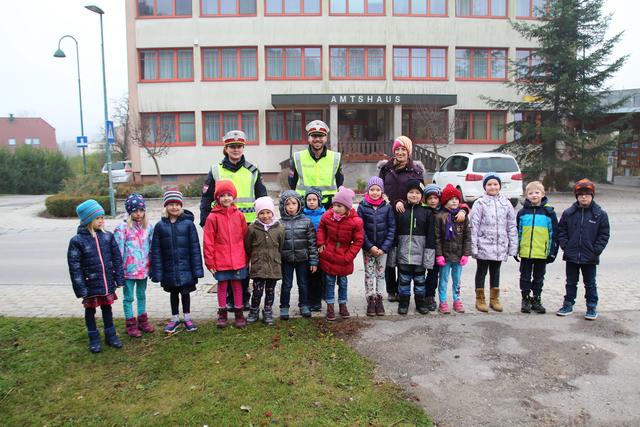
(481, 303)
(494, 299)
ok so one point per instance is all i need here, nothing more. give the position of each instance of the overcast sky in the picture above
(34, 83)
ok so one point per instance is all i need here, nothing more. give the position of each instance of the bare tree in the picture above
(122, 124)
(154, 136)
(434, 128)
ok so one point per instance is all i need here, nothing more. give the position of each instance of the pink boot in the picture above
(144, 325)
(132, 328)
(458, 307)
(444, 308)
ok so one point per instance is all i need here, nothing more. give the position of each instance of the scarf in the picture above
(449, 230)
(267, 226)
(338, 217)
(373, 202)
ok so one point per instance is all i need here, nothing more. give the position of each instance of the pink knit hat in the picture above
(403, 141)
(263, 203)
(344, 196)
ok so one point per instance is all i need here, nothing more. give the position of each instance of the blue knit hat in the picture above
(133, 202)
(491, 175)
(375, 180)
(88, 211)
(171, 196)
(432, 189)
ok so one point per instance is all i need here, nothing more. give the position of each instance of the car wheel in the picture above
(514, 202)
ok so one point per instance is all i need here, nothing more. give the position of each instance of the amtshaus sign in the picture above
(361, 99)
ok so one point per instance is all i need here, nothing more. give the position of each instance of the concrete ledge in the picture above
(628, 181)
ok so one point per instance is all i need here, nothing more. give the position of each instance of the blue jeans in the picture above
(455, 269)
(589, 280)
(330, 288)
(405, 277)
(302, 274)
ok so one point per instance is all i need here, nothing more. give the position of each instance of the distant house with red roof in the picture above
(34, 131)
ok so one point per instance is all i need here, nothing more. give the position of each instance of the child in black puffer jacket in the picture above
(95, 267)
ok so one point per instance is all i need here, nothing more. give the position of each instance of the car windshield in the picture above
(495, 164)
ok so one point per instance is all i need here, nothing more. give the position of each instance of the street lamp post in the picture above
(60, 54)
(112, 203)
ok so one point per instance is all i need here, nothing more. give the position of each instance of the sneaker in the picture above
(284, 313)
(253, 316)
(431, 304)
(458, 307)
(525, 307)
(172, 327)
(316, 308)
(190, 326)
(565, 310)
(305, 312)
(267, 317)
(591, 314)
(444, 308)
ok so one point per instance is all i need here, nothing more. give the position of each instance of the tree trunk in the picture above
(155, 161)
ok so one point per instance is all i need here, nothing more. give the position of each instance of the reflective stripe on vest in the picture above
(245, 181)
(320, 174)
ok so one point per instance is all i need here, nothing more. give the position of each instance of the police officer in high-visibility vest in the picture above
(245, 177)
(316, 167)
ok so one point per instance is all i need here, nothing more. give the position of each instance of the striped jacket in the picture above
(537, 231)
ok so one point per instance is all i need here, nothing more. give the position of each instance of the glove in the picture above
(440, 261)
(464, 260)
(517, 258)
(550, 259)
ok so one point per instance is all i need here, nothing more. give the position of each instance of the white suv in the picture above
(465, 171)
(120, 171)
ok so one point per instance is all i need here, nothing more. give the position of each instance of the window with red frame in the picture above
(480, 127)
(158, 65)
(356, 7)
(366, 63)
(292, 7)
(481, 8)
(164, 8)
(481, 64)
(525, 60)
(169, 128)
(419, 63)
(228, 7)
(293, 63)
(531, 9)
(218, 123)
(426, 126)
(420, 7)
(288, 127)
(232, 63)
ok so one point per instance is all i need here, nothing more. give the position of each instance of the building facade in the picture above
(32, 131)
(371, 69)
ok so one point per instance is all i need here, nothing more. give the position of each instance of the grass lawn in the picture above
(296, 373)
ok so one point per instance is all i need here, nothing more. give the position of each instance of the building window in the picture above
(364, 63)
(230, 63)
(164, 8)
(420, 7)
(426, 126)
(166, 65)
(481, 8)
(31, 141)
(217, 123)
(525, 59)
(292, 7)
(11, 141)
(356, 7)
(531, 9)
(419, 63)
(481, 64)
(480, 127)
(293, 63)
(228, 7)
(287, 127)
(169, 128)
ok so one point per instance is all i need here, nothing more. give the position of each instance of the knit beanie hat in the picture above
(414, 184)
(584, 186)
(403, 141)
(313, 190)
(264, 203)
(344, 196)
(134, 201)
(171, 196)
(225, 187)
(88, 211)
(432, 189)
(448, 193)
(374, 180)
(487, 177)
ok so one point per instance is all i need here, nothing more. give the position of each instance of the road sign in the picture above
(111, 137)
(82, 142)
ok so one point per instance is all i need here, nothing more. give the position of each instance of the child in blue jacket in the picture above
(314, 210)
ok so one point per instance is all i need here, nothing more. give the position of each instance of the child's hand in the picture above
(313, 268)
(460, 216)
(464, 260)
(374, 250)
(399, 207)
(320, 249)
(380, 252)
(440, 261)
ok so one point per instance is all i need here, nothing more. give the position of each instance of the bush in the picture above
(81, 185)
(29, 170)
(193, 189)
(123, 190)
(95, 161)
(62, 205)
(152, 191)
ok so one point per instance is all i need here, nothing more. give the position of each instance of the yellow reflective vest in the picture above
(244, 179)
(319, 174)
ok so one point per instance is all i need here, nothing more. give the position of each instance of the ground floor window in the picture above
(480, 127)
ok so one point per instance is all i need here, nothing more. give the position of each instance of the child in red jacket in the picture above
(224, 253)
(340, 237)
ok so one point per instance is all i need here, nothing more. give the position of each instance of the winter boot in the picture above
(111, 338)
(379, 305)
(253, 316)
(481, 303)
(536, 305)
(94, 341)
(421, 304)
(392, 297)
(371, 306)
(525, 307)
(144, 325)
(494, 299)
(240, 322)
(267, 317)
(305, 312)
(284, 313)
(222, 318)
(403, 306)
(458, 307)
(132, 328)
(344, 312)
(431, 304)
(331, 314)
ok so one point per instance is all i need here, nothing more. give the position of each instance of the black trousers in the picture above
(432, 280)
(260, 286)
(538, 268)
(316, 288)
(391, 280)
(493, 267)
(175, 300)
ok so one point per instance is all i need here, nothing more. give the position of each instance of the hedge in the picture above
(62, 205)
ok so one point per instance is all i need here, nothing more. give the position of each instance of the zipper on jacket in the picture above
(411, 225)
(495, 205)
(580, 234)
(174, 244)
(533, 225)
(104, 273)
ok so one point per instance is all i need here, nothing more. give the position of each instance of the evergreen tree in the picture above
(562, 84)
